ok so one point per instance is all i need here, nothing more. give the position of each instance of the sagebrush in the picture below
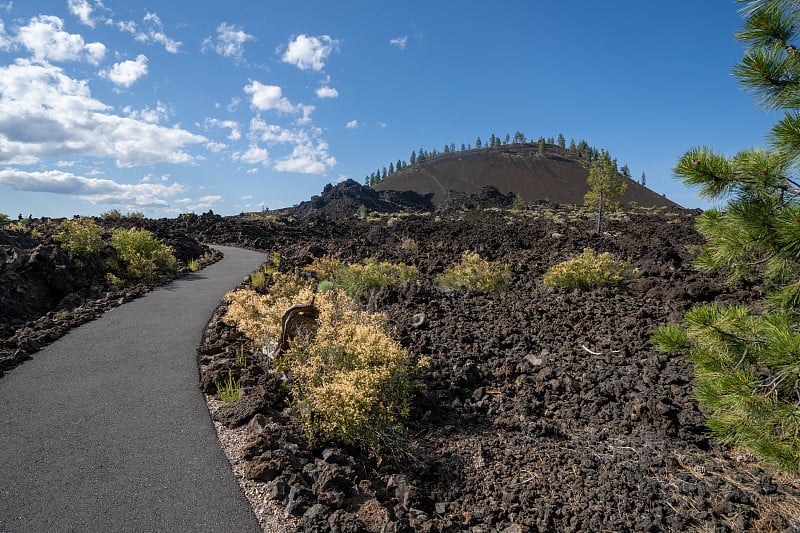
(347, 378)
(589, 270)
(475, 274)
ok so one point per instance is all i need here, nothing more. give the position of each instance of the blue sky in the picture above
(186, 106)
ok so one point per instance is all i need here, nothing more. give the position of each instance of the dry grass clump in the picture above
(475, 274)
(352, 380)
(258, 316)
(588, 270)
(348, 378)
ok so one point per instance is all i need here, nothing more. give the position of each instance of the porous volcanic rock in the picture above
(541, 409)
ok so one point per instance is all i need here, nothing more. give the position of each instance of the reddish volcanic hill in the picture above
(514, 168)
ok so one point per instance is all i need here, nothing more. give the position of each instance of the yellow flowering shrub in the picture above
(258, 316)
(349, 379)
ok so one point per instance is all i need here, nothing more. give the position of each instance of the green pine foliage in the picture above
(747, 361)
(605, 187)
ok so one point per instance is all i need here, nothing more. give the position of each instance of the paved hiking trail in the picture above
(107, 430)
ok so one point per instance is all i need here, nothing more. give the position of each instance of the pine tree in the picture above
(478, 142)
(492, 141)
(519, 138)
(573, 150)
(507, 139)
(463, 147)
(605, 187)
(562, 143)
(391, 168)
(541, 146)
(747, 362)
(413, 158)
(626, 172)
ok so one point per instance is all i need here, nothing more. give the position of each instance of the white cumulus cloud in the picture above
(126, 73)
(269, 97)
(307, 158)
(45, 38)
(309, 52)
(45, 113)
(327, 92)
(352, 124)
(229, 42)
(83, 10)
(93, 190)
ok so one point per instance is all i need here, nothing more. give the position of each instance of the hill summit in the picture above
(555, 175)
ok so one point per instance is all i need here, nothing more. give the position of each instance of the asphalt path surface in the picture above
(107, 430)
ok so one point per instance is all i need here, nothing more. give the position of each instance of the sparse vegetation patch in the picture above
(589, 270)
(475, 274)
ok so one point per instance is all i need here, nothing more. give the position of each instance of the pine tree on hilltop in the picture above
(747, 363)
(605, 187)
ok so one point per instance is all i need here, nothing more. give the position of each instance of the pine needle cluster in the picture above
(747, 363)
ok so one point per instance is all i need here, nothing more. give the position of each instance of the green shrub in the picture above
(193, 265)
(141, 255)
(4, 219)
(80, 236)
(360, 280)
(258, 279)
(588, 270)
(475, 274)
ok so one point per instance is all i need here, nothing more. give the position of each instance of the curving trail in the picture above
(107, 430)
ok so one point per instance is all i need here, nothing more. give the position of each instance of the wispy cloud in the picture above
(83, 10)
(229, 42)
(154, 33)
(253, 155)
(308, 52)
(234, 135)
(309, 154)
(400, 42)
(352, 124)
(148, 114)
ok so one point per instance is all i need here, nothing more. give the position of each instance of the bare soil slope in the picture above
(515, 168)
